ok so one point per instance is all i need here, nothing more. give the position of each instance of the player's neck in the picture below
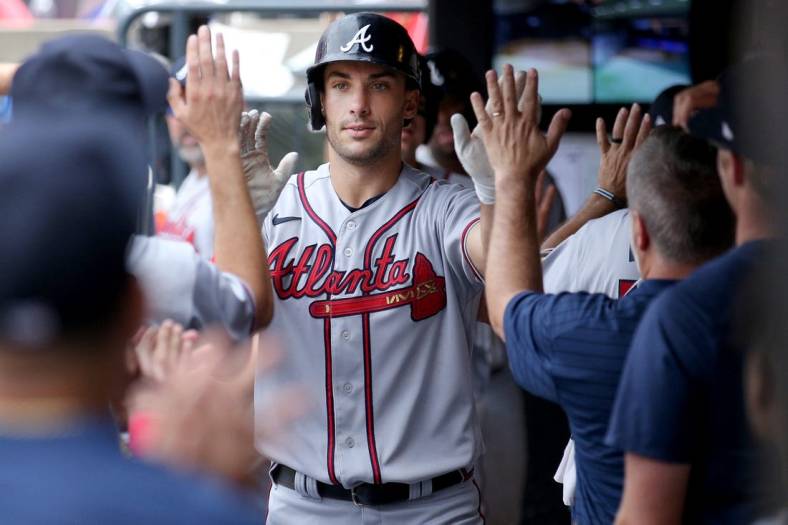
(754, 222)
(356, 184)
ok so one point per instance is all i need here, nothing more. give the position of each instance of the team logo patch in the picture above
(362, 39)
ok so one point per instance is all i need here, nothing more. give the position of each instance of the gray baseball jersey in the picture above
(376, 307)
(180, 285)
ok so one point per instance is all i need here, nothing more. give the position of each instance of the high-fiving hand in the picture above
(211, 106)
(265, 182)
(629, 131)
(516, 147)
(471, 153)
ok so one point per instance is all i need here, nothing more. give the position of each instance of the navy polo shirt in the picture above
(681, 398)
(570, 348)
(81, 476)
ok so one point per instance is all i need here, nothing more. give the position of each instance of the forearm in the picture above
(7, 72)
(595, 207)
(238, 244)
(514, 246)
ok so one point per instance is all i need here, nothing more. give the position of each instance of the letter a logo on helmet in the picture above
(361, 38)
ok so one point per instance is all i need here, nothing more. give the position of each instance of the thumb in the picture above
(461, 131)
(287, 165)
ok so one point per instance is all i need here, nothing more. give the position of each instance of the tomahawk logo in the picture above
(361, 38)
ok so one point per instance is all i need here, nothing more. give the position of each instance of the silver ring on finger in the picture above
(496, 114)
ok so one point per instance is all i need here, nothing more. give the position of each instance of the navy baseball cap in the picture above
(80, 73)
(179, 70)
(750, 116)
(661, 109)
(68, 216)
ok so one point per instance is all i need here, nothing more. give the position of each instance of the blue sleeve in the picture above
(528, 343)
(539, 330)
(657, 413)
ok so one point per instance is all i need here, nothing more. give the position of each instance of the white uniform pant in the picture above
(457, 505)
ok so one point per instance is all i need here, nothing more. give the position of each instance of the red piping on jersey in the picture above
(370, 414)
(326, 336)
(329, 401)
(312, 215)
(465, 252)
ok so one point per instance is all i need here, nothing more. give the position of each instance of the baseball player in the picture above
(376, 270)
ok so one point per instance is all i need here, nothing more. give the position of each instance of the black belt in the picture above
(366, 493)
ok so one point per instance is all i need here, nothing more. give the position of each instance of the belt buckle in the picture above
(354, 498)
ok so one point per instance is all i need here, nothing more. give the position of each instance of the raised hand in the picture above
(161, 350)
(265, 182)
(515, 145)
(471, 153)
(629, 131)
(211, 106)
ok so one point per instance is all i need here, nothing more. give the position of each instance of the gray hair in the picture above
(672, 183)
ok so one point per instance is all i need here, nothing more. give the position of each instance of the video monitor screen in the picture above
(639, 49)
(554, 37)
(596, 51)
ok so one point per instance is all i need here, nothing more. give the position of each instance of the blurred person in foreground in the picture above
(571, 347)
(79, 75)
(680, 409)
(67, 307)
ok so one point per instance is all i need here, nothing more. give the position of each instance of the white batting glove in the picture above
(265, 182)
(471, 152)
(473, 157)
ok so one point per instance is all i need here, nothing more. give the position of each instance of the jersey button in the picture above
(348, 252)
(348, 388)
(346, 335)
(350, 443)
(351, 225)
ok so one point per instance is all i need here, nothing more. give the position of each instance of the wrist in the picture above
(601, 205)
(222, 148)
(617, 201)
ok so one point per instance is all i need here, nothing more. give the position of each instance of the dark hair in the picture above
(672, 182)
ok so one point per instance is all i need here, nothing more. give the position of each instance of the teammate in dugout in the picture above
(571, 347)
(377, 280)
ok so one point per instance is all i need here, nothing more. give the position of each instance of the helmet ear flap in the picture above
(316, 118)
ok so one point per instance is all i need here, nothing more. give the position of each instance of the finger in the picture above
(620, 123)
(175, 98)
(494, 93)
(261, 133)
(509, 91)
(645, 129)
(601, 136)
(193, 61)
(633, 124)
(221, 58)
(191, 336)
(207, 66)
(482, 117)
(557, 128)
(287, 165)
(460, 130)
(531, 96)
(174, 342)
(519, 84)
(235, 75)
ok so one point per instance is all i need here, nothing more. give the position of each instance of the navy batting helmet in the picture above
(361, 37)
